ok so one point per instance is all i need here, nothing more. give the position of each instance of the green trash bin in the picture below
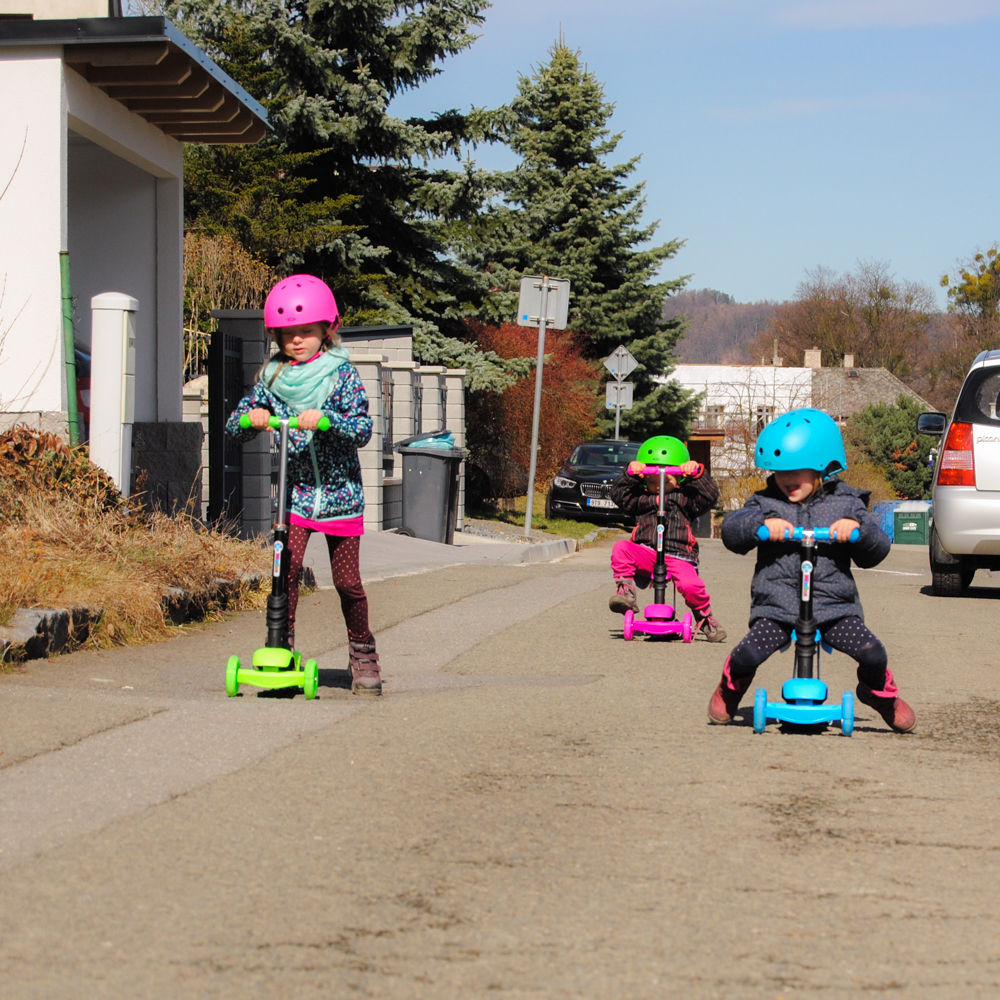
(911, 523)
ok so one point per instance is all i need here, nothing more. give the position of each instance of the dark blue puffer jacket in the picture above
(775, 587)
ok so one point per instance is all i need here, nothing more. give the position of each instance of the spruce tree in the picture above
(370, 210)
(563, 211)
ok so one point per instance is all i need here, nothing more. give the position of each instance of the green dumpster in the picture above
(911, 523)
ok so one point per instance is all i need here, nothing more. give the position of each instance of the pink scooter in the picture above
(659, 617)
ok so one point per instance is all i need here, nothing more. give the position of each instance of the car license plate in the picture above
(602, 503)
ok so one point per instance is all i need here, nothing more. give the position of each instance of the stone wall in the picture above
(167, 456)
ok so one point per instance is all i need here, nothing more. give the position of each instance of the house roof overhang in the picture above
(150, 67)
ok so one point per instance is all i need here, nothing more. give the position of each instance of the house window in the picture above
(765, 414)
(715, 416)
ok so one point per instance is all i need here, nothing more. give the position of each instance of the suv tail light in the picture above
(958, 467)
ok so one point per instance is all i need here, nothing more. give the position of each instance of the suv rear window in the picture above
(979, 401)
(615, 453)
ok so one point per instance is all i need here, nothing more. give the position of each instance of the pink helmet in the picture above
(300, 299)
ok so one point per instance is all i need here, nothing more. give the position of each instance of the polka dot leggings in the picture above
(848, 635)
(346, 578)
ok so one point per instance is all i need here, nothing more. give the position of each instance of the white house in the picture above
(739, 401)
(94, 114)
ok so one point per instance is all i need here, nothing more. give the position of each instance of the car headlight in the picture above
(563, 483)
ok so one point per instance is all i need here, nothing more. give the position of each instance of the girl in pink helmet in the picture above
(310, 377)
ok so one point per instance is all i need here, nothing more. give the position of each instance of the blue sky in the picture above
(777, 135)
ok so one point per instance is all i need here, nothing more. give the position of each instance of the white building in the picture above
(739, 401)
(94, 115)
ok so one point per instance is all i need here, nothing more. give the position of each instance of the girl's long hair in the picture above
(332, 339)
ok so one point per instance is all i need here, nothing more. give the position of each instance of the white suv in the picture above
(965, 535)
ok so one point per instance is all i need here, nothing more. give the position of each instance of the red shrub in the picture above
(499, 424)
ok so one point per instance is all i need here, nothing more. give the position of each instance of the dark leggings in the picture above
(346, 578)
(848, 635)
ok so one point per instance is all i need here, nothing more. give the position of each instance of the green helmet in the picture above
(663, 450)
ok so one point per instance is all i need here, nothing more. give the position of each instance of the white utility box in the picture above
(112, 385)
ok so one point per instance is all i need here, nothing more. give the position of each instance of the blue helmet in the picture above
(801, 439)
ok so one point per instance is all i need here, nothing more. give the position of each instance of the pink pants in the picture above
(631, 560)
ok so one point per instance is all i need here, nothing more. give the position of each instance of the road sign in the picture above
(619, 394)
(529, 306)
(620, 362)
(544, 302)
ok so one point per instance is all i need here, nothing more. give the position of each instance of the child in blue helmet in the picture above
(804, 452)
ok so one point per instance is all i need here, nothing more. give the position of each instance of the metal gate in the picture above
(225, 368)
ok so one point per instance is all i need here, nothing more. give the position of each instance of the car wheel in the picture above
(950, 576)
(548, 506)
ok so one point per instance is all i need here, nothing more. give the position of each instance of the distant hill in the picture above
(719, 328)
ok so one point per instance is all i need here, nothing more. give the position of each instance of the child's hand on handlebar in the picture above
(259, 419)
(691, 468)
(309, 420)
(841, 530)
(635, 468)
(777, 526)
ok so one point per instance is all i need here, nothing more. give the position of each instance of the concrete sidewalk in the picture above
(385, 554)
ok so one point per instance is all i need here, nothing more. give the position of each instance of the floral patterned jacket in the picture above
(324, 474)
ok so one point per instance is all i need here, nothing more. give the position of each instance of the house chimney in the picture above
(775, 360)
(813, 358)
(848, 360)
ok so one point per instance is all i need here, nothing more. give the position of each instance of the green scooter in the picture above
(275, 665)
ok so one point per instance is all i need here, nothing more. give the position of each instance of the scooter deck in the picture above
(273, 669)
(659, 620)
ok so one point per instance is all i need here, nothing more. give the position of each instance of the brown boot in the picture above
(623, 599)
(726, 697)
(710, 628)
(365, 675)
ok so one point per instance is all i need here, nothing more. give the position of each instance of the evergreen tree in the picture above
(886, 436)
(563, 211)
(343, 188)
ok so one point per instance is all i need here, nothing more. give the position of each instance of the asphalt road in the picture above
(535, 809)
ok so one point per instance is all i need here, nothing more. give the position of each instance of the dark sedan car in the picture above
(583, 487)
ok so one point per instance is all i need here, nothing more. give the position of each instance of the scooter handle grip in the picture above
(795, 535)
(293, 423)
(655, 470)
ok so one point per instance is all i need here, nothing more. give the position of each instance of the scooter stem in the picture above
(277, 602)
(660, 566)
(805, 627)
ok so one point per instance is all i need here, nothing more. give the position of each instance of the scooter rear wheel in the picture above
(760, 711)
(627, 631)
(232, 684)
(311, 682)
(847, 719)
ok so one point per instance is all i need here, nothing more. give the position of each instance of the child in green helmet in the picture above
(688, 497)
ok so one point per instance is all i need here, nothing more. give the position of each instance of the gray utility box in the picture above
(430, 489)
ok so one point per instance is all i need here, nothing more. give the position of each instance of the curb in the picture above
(544, 551)
(592, 536)
(37, 633)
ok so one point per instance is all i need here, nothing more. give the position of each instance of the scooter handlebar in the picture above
(655, 470)
(275, 422)
(795, 535)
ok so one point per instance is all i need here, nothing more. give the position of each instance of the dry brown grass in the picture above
(70, 540)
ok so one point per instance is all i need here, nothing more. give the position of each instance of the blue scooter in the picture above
(804, 692)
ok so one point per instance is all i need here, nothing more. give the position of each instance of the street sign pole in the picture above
(537, 408)
(620, 363)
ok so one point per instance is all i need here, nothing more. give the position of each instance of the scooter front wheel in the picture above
(760, 711)
(687, 627)
(232, 684)
(847, 718)
(311, 681)
(627, 631)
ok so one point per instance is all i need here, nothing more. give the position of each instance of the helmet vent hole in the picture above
(280, 311)
(777, 452)
(298, 309)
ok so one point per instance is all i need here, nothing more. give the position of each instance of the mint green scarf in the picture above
(307, 385)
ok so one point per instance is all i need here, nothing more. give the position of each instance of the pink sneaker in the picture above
(897, 714)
